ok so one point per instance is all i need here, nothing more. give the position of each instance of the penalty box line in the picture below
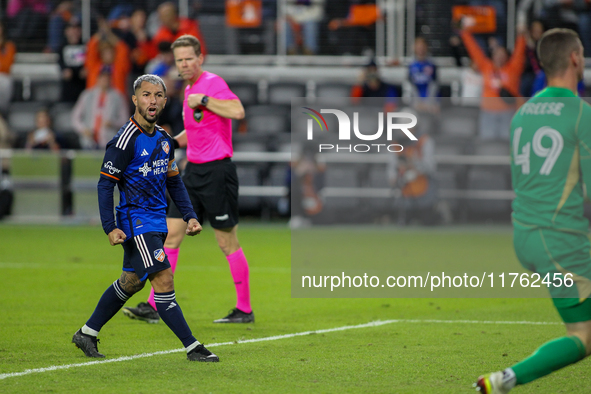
(273, 338)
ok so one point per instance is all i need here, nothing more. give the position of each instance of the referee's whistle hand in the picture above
(117, 237)
(193, 227)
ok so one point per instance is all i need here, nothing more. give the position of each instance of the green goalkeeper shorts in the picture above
(547, 251)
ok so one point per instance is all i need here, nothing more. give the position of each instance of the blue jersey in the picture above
(141, 165)
(423, 75)
(540, 83)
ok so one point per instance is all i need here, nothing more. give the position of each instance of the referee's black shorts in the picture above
(213, 189)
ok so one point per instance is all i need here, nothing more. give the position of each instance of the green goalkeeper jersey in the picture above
(551, 160)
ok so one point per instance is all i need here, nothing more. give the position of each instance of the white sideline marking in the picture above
(274, 338)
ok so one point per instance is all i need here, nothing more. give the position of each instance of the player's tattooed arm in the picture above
(130, 282)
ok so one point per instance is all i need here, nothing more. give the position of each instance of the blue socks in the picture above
(110, 303)
(171, 314)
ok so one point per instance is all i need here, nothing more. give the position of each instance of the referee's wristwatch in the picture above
(205, 100)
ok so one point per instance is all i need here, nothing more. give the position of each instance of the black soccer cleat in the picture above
(200, 353)
(87, 343)
(143, 311)
(237, 316)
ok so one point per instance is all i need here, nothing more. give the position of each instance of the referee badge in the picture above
(165, 147)
(198, 115)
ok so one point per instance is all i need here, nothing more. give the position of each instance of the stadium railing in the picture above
(66, 175)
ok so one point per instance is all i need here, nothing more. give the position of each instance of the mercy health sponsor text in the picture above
(440, 281)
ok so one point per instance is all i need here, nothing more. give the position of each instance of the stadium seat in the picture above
(17, 90)
(21, 116)
(247, 92)
(46, 91)
(249, 146)
(216, 39)
(333, 93)
(267, 120)
(341, 176)
(487, 180)
(459, 123)
(61, 113)
(248, 175)
(282, 92)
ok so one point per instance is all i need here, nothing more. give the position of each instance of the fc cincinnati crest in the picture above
(165, 147)
(159, 255)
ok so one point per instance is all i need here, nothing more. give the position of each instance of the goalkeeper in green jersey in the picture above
(550, 166)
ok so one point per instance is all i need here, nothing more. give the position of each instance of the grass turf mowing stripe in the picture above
(271, 338)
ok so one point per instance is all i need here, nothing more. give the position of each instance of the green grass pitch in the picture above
(54, 275)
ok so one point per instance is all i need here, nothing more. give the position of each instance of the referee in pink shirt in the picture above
(210, 175)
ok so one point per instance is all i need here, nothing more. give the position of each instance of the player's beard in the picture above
(150, 119)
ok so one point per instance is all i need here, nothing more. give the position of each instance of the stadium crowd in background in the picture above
(501, 75)
(72, 56)
(7, 53)
(98, 112)
(43, 137)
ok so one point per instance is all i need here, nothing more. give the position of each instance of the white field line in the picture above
(273, 338)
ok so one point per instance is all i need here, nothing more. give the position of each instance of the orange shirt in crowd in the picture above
(187, 26)
(494, 79)
(121, 65)
(7, 53)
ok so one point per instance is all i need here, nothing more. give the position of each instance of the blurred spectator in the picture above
(163, 62)
(540, 82)
(471, 81)
(28, 18)
(72, 56)
(500, 7)
(144, 50)
(105, 49)
(171, 118)
(532, 64)
(125, 22)
(357, 29)
(7, 53)
(371, 85)
(501, 76)
(119, 20)
(43, 136)
(174, 26)
(6, 142)
(302, 24)
(572, 14)
(412, 173)
(470, 77)
(307, 180)
(422, 74)
(99, 113)
(58, 21)
(6, 187)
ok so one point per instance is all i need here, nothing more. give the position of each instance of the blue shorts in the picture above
(144, 254)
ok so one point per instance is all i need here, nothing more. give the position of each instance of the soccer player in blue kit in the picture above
(140, 161)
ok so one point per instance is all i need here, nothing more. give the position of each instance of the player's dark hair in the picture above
(187, 40)
(555, 48)
(151, 78)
